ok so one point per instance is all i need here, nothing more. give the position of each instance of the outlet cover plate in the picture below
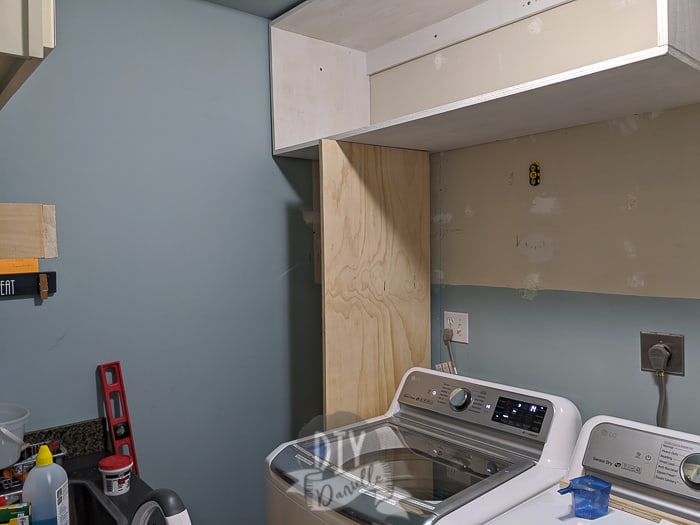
(459, 322)
(675, 343)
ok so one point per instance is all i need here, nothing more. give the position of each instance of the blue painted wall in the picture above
(181, 245)
(583, 346)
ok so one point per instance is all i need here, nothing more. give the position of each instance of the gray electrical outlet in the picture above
(675, 343)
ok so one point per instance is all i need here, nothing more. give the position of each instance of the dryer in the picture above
(450, 450)
(654, 473)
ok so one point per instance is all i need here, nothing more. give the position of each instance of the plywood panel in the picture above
(376, 283)
(28, 230)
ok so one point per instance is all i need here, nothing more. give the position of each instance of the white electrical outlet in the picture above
(459, 322)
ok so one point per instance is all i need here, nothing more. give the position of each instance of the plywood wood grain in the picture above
(28, 231)
(376, 279)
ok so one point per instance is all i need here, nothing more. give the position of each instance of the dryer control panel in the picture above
(470, 401)
(654, 460)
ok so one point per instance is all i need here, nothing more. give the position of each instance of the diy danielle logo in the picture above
(333, 488)
(338, 474)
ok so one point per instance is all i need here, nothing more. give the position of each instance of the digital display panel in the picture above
(519, 414)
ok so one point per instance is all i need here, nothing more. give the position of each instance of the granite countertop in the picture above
(79, 439)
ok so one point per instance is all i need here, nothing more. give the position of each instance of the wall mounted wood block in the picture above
(28, 230)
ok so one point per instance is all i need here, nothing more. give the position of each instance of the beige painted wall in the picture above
(617, 211)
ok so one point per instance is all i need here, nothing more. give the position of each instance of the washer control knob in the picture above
(690, 471)
(460, 398)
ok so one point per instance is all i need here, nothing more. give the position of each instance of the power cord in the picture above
(659, 354)
(447, 339)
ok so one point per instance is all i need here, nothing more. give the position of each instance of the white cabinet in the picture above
(27, 35)
(446, 74)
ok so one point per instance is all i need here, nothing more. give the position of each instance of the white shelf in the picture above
(657, 71)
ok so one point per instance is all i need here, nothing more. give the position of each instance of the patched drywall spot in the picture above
(630, 249)
(442, 218)
(468, 212)
(531, 284)
(621, 4)
(537, 247)
(543, 205)
(628, 125)
(629, 203)
(636, 281)
(510, 179)
(440, 60)
(535, 27)
(438, 276)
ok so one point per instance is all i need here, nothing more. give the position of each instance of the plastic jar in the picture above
(12, 421)
(116, 474)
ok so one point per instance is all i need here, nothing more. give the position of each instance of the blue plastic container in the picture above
(591, 496)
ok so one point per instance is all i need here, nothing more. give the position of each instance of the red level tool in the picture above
(117, 410)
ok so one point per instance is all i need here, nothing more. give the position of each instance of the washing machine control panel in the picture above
(654, 460)
(470, 401)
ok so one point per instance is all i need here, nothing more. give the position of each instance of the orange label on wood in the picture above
(19, 266)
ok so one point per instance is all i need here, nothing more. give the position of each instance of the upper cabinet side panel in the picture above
(570, 36)
(318, 89)
(12, 28)
(684, 26)
(27, 36)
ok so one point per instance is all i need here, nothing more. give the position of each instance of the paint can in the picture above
(116, 474)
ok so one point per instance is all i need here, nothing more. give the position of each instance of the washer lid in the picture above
(385, 469)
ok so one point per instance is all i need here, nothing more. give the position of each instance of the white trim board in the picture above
(638, 84)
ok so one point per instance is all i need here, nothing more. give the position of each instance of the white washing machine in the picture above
(654, 473)
(449, 450)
